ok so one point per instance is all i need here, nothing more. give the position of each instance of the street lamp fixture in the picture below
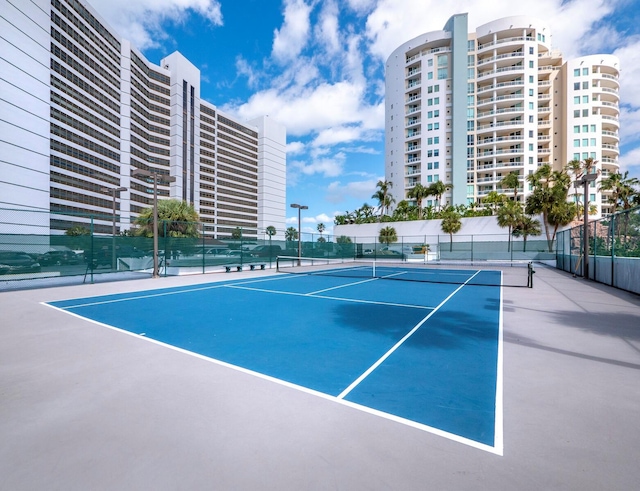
(300, 208)
(157, 177)
(113, 192)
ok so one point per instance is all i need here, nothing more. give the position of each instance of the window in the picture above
(443, 60)
(436, 113)
(429, 126)
(576, 143)
(436, 178)
(530, 160)
(530, 79)
(430, 114)
(436, 126)
(585, 142)
(471, 73)
(436, 100)
(585, 113)
(530, 133)
(576, 86)
(585, 99)
(430, 89)
(436, 165)
(471, 45)
(444, 72)
(576, 72)
(576, 113)
(429, 141)
(576, 99)
(430, 76)
(436, 88)
(531, 147)
(471, 88)
(436, 153)
(429, 166)
(530, 119)
(585, 85)
(592, 142)
(585, 128)
(585, 71)
(436, 140)
(471, 59)
(531, 50)
(531, 92)
(429, 178)
(531, 64)
(576, 129)
(430, 62)
(585, 155)
(576, 156)
(429, 102)
(531, 105)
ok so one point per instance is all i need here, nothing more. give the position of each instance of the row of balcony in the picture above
(443, 49)
(504, 41)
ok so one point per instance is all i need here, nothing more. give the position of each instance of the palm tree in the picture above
(437, 189)
(404, 211)
(176, 218)
(623, 194)
(511, 181)
(509, 215)
(451, 224)
(320, 229)
(388, 235)
(291, 234)
(528, 226)
(384, 197)
(419, 192)
(549, 197)
(494, 199)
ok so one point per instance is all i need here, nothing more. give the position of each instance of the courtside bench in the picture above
(238, 267)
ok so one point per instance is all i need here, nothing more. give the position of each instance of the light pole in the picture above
(585, 180)
(162, 178)
(113, 192)
(300, 208)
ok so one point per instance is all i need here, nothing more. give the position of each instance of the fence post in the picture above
(612, 230)
(92, 256)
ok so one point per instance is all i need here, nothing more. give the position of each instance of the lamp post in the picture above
(162, 178)
(585, 180)
(300, 208)
(113, 192)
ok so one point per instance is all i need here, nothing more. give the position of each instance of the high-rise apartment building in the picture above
(81, 110)
(470, 108)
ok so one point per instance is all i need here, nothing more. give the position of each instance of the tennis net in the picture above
(485, 273)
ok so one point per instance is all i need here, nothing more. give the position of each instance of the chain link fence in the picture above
(614, 250)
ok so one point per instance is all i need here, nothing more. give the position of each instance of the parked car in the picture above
(266, 251)
(12, 262)
(58, 258)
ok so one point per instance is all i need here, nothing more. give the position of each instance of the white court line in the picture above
(353, 405)
(357, 381)
(162, 294)
(324, 297)
(342, 286)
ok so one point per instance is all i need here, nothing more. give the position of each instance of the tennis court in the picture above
(256, 380)
(424, 351)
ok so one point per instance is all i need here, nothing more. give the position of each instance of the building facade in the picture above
(83, 111)
(468, 109)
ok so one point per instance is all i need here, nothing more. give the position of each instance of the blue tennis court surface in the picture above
(425, 354)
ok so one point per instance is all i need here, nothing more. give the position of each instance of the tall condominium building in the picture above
(81, 110)
(470, 108)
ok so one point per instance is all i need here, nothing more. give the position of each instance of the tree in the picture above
(549, 197)
(237, 233)
(77, 231)
(291, 234)
(384, 197)
(176, 218)
(320, 230)
(528, 226)
(404, 211)
(451, 224)
(494, 199)
(270, 231)
(418, 192)
(437, 189)
(509, 215)
(511, 181)
(388, 235)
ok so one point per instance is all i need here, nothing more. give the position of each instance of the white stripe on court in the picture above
(357, 381)
(341, 299)
(162, 294)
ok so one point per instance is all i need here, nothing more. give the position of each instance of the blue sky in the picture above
(317, 66)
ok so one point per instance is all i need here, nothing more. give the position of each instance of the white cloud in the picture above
(629, 55)
(327, 30)
(141, 21)
(574, 23)
(337, 192)
(292, 37)
(327, 167)
(295, 148)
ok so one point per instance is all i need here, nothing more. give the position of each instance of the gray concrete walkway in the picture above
(84, 407)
